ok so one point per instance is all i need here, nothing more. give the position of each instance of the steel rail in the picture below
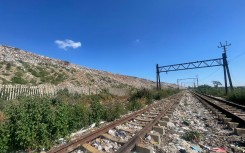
(90, 136)
(227, 102)
(127, 147)
(234, 117)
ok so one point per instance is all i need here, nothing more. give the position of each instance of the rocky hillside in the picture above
(21, 67)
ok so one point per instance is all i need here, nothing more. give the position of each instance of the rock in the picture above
(99, 147)
(106, 148)
(170, 125)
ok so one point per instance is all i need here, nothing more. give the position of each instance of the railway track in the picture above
(230, 113)
(126, 133)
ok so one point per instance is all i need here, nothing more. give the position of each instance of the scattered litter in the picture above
(93, 125)
(182, 151)
(61, 141)
(106, 145)
(221, 150)
(196, 148)
(80, 132)
(99, 147)
(121, 134)
(148, 137)
(43, 150)
(205, 147)
(112, 132)
(102, 122)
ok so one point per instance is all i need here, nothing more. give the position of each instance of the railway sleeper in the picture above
(228, 120)
(142, 148)
(90, 148)
(165, 118)
(148, 116)
(240, 131)
(136, 124)
(143, 119)
(112, 138)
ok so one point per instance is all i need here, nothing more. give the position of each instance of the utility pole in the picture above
(197, 80)
(225, 66)
(178, 83)
(158, 78)
(157, 73)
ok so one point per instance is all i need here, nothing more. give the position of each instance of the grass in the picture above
(237, 95)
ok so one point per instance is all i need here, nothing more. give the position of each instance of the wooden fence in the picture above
(9, 92)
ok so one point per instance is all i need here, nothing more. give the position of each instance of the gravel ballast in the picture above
(194, 128)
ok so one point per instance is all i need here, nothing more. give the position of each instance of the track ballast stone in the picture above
(191, 116)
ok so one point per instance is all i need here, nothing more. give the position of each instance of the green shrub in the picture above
(58, 78)
(19, 74)
(4, 136)
(35, 122)
(8, 66)
(78, 117)
(145, 97)
(18, 80)
(42, 72)
(33, 72)
(134, 105)
(113, 111)
(25, 64)
(96, 111)
(194, 136)
(141, 93)
(238, 96)
(157, 96)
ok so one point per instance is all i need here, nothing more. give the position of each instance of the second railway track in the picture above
(230, 113)
(125, 133)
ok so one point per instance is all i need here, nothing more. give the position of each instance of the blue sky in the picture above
(130, 36)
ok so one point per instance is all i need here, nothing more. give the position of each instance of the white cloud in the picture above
(67, 44)
(137, 40)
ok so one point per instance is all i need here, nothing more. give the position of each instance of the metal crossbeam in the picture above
(192, 65)
(198, 64)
